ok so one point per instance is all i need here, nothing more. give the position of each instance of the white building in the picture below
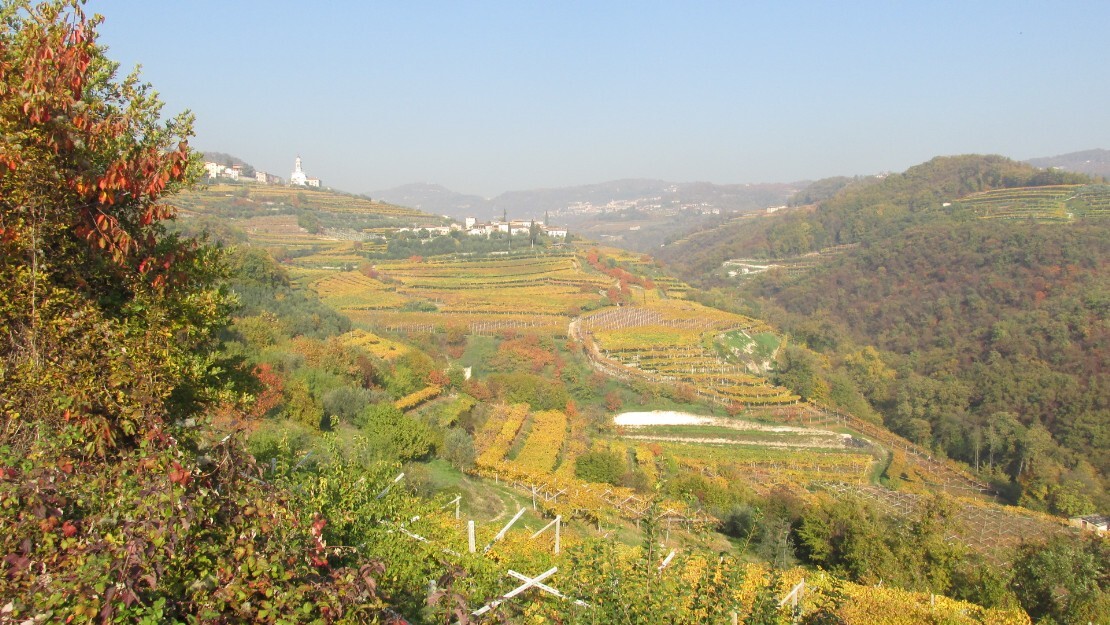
(313, 182)
(298, 176)
(216, 170)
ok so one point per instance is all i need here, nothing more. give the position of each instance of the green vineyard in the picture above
(1051, 203)
(671, 342)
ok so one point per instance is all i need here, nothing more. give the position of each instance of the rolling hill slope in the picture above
(991, 331)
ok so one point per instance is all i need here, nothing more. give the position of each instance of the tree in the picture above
(107, 363)
(395, 435)
(458, 449)
(1064, 580)
(800, 370)
(603, 467)
(97, 296)
(613, 401)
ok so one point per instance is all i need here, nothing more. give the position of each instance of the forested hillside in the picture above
(992, 334)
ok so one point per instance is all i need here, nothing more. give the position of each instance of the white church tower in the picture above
(298, 177)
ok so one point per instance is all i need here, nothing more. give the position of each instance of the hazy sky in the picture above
(487, 97)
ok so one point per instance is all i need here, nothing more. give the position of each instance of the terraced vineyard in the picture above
(927, 472)
(540, 437)
(671, 342)
(383, 348)
(766, 469)
(483, 295)
(989, 528)
(1051, 203)
(263, 198)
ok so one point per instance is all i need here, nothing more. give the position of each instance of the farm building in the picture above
(1097, 523)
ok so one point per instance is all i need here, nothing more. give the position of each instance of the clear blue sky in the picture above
(490, 97)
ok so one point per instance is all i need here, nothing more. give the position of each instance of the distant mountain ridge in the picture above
(533, 203)
(432, 198)
(1092, 162)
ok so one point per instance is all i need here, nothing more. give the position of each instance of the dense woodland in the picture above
(991, 336)
(187, 436)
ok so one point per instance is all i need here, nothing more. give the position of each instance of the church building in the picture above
(298, 177)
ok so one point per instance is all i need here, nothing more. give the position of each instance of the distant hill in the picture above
(287, 217)
(1093, 162)
(434, 198)
(642, 193)
(871, 207)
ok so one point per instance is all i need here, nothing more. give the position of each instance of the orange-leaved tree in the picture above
(114, 507)
(107, 319)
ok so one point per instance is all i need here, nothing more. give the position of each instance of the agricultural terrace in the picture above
(673, 342)
(986, 527)
(484, 295)
(334, 255)
(535, 452)
(375, 345)
(765, 469)
(1050, 203)
(281, 231)
(299, 222)
(223, 198)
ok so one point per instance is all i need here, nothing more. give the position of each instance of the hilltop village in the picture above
(241, 172)
(474, 228)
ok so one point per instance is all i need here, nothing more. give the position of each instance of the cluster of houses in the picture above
(475, 229)
(472, 227)
(235, 172)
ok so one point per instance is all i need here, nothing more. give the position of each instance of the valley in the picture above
(223, 398)
(756, 433)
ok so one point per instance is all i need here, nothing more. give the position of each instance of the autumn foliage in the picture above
(116, 507)
(107, 316)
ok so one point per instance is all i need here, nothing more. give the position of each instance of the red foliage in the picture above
(179, 474)
(438, 378)
(273, 388)
(685, 393)
(368, 270)
(524, 350)
(623, 278)
(108, 190)
(613, 401)
(478, 390)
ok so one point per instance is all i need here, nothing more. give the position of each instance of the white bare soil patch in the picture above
(671, 417)
(799, 443)
(640, 423)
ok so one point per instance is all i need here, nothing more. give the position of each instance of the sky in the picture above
(488, 97)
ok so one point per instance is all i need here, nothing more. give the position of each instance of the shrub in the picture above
(603, 467)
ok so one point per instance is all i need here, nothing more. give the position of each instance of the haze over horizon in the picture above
(486, 98)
